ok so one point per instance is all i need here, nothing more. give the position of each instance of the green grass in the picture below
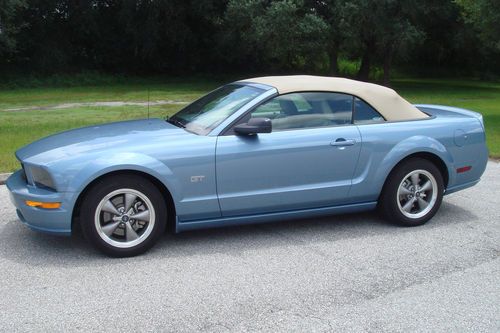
(18, 128)
(135, 91)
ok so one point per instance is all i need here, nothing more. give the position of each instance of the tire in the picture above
(412, 193)
(120, 233)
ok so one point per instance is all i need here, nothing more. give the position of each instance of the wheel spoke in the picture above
(427, 186)
(415, 178)
(130, 233)
(141, 216)
(129, 201)
(408, 205)
(110, 228)
(110, 208)
(404, 191)
(422, 203)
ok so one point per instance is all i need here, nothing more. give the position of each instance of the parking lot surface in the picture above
(341, 273)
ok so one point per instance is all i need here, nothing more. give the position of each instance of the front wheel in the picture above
(413, 193)
(123, 215)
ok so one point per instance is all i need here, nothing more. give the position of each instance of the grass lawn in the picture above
(18, 128)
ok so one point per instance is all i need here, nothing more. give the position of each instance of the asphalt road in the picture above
(343, 273)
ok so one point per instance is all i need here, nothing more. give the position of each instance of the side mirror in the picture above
(254, 126)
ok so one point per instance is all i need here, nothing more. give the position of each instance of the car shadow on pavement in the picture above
(19, 244)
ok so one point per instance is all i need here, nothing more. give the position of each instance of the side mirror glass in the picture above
(254, 126)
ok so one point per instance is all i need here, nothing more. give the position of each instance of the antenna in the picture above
(148, 102)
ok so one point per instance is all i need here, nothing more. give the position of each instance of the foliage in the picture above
(291, 38)
(279, 33)
(246, 36)
(9, 26)
(484, 15)
(380, 31)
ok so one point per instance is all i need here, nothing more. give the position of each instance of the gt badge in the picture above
(197, 179)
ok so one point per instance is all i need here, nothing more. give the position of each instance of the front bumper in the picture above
(54, 221)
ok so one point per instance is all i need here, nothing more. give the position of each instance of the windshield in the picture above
(204, 114)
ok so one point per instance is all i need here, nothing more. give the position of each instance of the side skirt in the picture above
(460, 187)
(271, 217)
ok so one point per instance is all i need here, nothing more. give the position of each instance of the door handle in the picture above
(341, 142)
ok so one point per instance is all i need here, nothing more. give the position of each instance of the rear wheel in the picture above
(413, 193)
(123, 215)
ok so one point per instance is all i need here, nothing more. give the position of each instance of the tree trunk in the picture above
(387, 66)
(364, 70)
(334, 66)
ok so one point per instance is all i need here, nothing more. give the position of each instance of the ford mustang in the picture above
(256, 150)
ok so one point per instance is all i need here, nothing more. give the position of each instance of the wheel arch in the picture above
(171, 212)
(431, 157)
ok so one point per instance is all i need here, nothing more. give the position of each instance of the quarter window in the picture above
(306, 110)
(365, 114)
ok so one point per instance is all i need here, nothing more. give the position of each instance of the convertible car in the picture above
(256, 150)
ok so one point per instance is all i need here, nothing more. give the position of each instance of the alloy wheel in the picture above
(124, 218)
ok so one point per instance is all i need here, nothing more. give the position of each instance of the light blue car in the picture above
(257, 150)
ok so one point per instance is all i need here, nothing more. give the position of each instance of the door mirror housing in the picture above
(254, 126)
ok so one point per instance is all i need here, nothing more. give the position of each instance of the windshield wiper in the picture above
(176, 122)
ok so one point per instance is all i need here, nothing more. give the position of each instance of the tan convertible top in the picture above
(392, 106)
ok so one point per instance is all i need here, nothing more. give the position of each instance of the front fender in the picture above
(176, 168)
(125, 161)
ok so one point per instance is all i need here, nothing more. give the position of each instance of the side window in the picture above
(306, 110)
(365, 114)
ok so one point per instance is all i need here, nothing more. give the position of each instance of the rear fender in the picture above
(410, 146)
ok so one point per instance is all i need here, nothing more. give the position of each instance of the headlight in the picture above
(40, 177)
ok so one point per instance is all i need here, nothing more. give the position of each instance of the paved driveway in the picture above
(349, 272)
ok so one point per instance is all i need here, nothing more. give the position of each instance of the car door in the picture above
(307, 161)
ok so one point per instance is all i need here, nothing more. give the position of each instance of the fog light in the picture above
(46, 205)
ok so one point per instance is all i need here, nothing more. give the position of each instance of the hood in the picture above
(119, 136)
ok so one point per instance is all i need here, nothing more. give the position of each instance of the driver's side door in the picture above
(307, 161)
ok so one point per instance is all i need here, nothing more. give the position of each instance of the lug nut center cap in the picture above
(125, 218)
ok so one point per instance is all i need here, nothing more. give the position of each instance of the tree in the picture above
(484, 15)
(238, 34)
(380, 29)
(445, 44)
(285, 34)
(358, 24)
(331, 12)
(291, 36)
(9, 27)
(247, 36)
(397, 35)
